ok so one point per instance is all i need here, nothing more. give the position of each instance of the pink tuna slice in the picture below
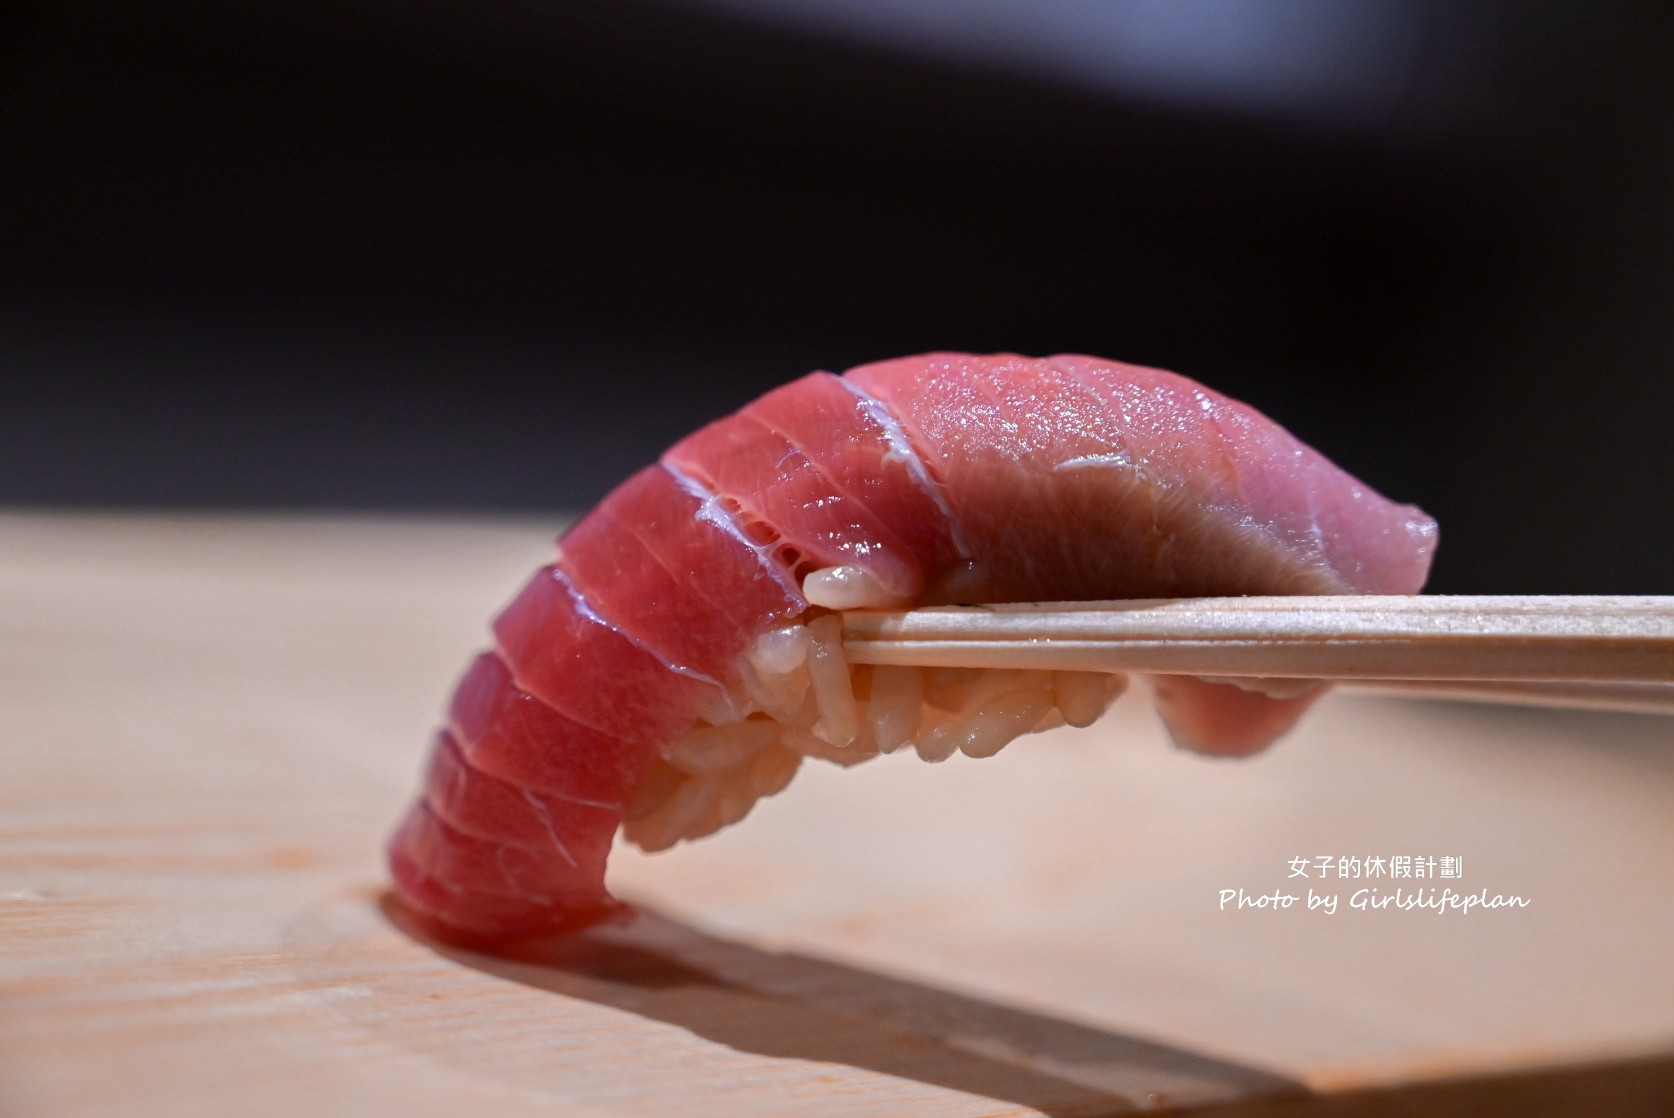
(947, 477)
(1076, 478)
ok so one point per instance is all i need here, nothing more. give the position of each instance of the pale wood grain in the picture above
(211, 724)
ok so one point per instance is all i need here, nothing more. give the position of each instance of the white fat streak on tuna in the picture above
(511, 877)
(1116, 460)
(603, 805)
(551, 832)
(902, 450)
(585, 608)
(711, 511)
(1119, 460)
(458, 890)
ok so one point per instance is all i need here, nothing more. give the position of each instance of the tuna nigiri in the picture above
(680, 658)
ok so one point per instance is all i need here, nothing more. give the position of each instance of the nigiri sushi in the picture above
(681, 657)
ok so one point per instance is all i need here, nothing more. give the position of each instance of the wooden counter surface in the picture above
(211, 723)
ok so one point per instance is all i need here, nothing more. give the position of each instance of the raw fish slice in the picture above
(460, 914)
(1225, 719)
(670, 670)
(508, 733)
(1250, 468)
(561, 830)
(775, 484)
(621, 579)
(1126, 485)
(867, 456)
(693, 539)
(494, 865)
(565, 655)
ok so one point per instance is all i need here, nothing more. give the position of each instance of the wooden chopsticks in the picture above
(1572, 650)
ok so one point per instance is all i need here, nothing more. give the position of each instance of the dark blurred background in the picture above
(422, 256)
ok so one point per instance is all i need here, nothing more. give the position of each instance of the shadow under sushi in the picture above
(792, 1006)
